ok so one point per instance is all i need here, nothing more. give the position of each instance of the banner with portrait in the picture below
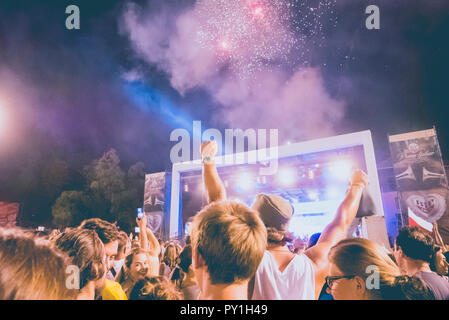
(154, 203)
(421, 179)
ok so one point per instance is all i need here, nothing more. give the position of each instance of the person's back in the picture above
(283, 275)
(436, 283)
(295, 282)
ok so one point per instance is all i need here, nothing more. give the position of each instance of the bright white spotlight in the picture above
(342, 169)
(313, 195)
(333, 193)
(245, 181)
(286, 177)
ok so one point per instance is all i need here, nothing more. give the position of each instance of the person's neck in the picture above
(87, 292)
(278, 249)
(414, 266)
(234, 291)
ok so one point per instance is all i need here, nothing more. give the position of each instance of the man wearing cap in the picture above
(281, 273)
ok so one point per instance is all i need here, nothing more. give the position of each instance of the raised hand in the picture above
(209, 150)
(142, 223)
(359, 178)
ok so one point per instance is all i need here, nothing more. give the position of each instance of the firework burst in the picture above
(249, 35)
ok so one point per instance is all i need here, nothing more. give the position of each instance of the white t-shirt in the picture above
(296, 282)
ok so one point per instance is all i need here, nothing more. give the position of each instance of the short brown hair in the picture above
(31, 269)
(231, 238)
(415, 244)
(107, 231)
(122, 240)
(86, 250)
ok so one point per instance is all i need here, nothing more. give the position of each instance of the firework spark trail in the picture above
(249, 55)
(250, 35)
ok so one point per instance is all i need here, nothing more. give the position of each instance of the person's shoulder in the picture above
(112, 284)
(302, 258)
(433, 279)
(113, 291)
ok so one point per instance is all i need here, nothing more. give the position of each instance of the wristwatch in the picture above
(207, 160)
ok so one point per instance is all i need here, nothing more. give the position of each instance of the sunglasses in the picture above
(330, 280)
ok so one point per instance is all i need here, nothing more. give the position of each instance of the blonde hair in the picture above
(170, 255)
(155, 288)
(354, 256)
(231, 239)
(31, 269)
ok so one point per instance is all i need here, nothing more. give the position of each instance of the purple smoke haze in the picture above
(266, 96)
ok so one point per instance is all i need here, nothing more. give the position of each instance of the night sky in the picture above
(131, 75)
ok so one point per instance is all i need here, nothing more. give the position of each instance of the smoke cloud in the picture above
(247, 66)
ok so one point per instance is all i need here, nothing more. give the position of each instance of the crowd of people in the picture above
(233, 252)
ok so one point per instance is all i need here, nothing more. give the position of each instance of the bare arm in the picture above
(212, 182)
(142, 223)
(337, 229)
(155, 247)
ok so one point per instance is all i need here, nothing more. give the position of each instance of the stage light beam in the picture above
(245, 181)
(313, 195)
(341, 169)
(286, 177)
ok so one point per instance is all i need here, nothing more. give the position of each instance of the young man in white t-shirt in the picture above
(283, 274)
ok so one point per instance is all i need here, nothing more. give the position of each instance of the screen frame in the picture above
(362, 138)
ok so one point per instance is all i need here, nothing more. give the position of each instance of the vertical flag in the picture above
(421, 179)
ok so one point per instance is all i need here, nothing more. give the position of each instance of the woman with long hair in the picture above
(183, 275)
(138, 265)
(169, 258)
(360, 269)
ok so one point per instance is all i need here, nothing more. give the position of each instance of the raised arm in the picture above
(338, 228)
(142, 224)
(214, 186)
(155, 247)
